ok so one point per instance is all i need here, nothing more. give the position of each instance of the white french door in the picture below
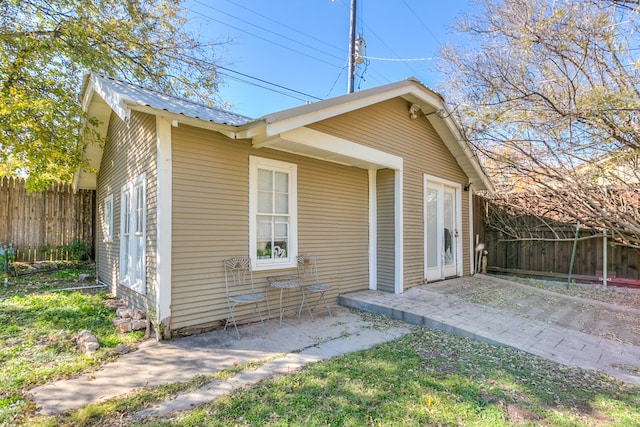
(442, 225)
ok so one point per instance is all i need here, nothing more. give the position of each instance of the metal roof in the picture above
(121, 93)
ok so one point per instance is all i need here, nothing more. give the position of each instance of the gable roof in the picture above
(122, 95)
(284, 130)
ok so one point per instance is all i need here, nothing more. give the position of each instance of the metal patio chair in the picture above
(308, 276)
(238, 282)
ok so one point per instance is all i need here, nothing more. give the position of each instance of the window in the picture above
(107, 219)
(272, 211)
(132, 235)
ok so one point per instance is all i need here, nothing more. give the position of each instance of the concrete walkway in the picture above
(285, 348)
(438, 310)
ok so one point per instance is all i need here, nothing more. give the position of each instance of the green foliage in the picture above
(46, 46)
(424, 378)
(428, 378)
(36, 338)
(79, 250)
(547, 92)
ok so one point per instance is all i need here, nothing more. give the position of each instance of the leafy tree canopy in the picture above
(549, 94)
(47, 46)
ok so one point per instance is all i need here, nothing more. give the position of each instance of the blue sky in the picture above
(303, 45)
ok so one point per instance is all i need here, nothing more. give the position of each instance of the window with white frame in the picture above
(132, 235)
(273, 213)
(107, 219)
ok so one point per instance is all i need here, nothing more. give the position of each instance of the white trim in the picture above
(296, 117)
(115, 100)
(130, 189)
(458, 195)
(373, 230)
(332, 148)
(399, 232)
(164, 218)
(430, 179)
(292, 245)
(107, 230)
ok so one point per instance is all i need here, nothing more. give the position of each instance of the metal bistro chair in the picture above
(238, 281)
(308, 276)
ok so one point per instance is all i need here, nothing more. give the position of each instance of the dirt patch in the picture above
(609, 313)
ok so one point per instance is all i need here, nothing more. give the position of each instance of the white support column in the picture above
(164, 198)
(373, 230)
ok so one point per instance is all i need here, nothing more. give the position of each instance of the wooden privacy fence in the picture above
(41, 224)
(543, 251)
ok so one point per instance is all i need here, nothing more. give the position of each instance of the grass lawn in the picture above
(37, 325)
(428, 378)
(422, 379)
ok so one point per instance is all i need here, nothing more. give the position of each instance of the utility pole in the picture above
(351, 63)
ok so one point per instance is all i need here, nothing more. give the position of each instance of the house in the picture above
(376, 183)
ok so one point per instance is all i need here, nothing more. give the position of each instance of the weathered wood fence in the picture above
(41, 224)
(549, 253)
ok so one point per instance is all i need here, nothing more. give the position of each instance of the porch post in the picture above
(163, 239)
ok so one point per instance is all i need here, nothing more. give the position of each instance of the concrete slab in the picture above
(288, 346)
(157, 363)
(434, 308)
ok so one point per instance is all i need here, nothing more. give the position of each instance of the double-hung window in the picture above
(132, 235)
(272, 213)
(107, 219)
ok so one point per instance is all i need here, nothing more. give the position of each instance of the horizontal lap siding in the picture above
(385, 183)
(210, 223)
(129, 152)
(388, 127)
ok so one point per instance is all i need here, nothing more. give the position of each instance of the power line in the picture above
(286, 26)
(268, 82)
(306, 95)
(237, 79)
(373, 58)
(263, 29)
(421, 21)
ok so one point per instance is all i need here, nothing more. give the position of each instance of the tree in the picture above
(47, 45)
(549, 95)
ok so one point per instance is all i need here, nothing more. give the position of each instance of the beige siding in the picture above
(210, 222)
(129, 152)
(385, 183)
(387, 127)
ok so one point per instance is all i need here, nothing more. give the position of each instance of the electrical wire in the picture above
(263, 29)
(268, 82)
(286, 26)
(275, 85)
(237, 79)
(373, 58)
(421, 21)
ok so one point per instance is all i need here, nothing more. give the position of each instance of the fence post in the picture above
(573, 253)
(605, 262)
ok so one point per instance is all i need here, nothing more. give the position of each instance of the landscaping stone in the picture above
(123, 349)
(124, 327)
(129, 319)
(86, 342)
(114, 303)
(138, 325)
(124, 312)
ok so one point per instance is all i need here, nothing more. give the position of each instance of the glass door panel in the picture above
(441, 231)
